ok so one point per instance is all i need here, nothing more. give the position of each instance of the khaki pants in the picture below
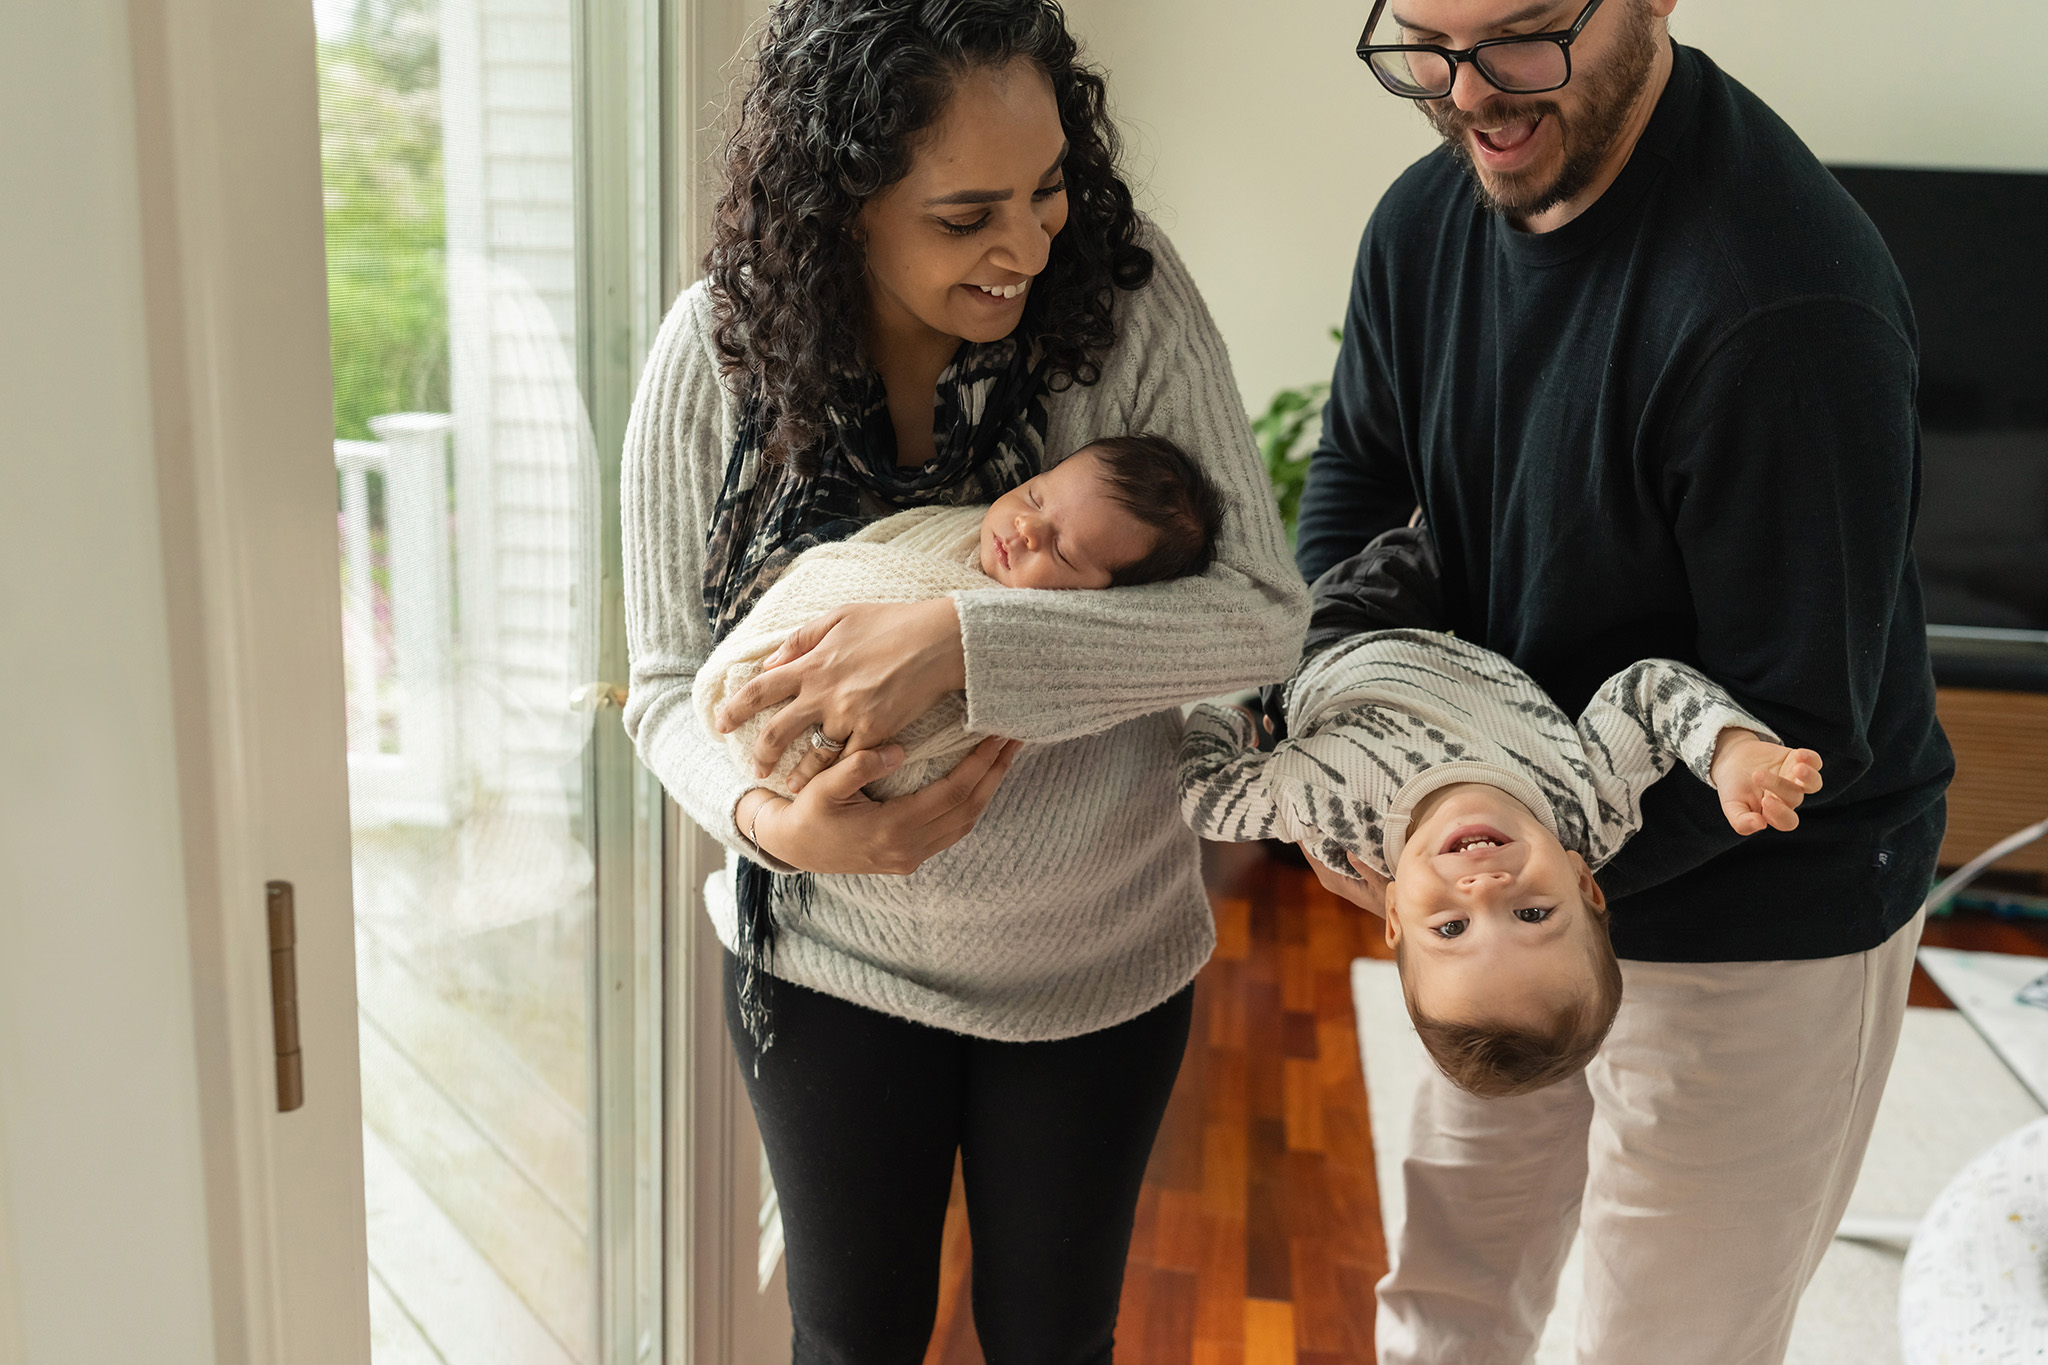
(1706, 1156)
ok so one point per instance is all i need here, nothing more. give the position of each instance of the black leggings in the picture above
(861, 1113)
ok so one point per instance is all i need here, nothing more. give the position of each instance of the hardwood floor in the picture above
(1977, 933)
(1258, 1234)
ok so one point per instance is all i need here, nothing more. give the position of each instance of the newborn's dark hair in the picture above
(842, 92)
(1160, 484)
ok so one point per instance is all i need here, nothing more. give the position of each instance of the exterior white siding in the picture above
(524, 464)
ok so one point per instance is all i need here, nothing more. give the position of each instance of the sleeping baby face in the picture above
(1062, 529)
(1492, 915)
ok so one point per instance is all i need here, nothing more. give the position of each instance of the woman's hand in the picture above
(831, 827)
(860, 674)
(1369, 892)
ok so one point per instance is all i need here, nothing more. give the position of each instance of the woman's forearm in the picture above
(832, 826)
(941, 657)
(1052, 666)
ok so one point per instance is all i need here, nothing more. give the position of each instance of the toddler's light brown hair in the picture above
(1495, 1059)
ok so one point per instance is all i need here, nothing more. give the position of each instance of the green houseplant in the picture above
(1280, 429)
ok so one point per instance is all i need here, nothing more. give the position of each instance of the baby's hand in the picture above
(1762, 783)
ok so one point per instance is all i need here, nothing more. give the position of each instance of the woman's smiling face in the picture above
(952, 248)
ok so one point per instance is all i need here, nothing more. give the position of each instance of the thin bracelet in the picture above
(755, 823)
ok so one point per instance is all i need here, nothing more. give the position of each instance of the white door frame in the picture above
(227, 129)
(720, 1310)
(228, 138)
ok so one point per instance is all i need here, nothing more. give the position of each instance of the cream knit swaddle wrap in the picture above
(913, 556)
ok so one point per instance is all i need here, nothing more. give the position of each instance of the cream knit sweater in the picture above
(1077, 902)
(1385, 719)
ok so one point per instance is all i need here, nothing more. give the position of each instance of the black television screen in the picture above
(1973, 248)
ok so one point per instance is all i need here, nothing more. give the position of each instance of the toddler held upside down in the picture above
(1441, 766)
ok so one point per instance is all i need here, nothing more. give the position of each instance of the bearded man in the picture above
(1649, 374)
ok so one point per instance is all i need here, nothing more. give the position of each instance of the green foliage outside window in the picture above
(380, 159)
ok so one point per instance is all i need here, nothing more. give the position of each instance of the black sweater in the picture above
(1680, 426)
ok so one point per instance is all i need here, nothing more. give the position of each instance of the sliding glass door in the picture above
(493, 271)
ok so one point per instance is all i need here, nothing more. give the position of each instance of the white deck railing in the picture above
(399, 624)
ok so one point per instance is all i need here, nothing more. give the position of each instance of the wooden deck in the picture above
(474, 1033)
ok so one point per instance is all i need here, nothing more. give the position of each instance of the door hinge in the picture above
(284, 996)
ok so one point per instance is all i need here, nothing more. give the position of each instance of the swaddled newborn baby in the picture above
(1121, 510)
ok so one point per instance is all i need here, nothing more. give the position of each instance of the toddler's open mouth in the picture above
(1474, 839)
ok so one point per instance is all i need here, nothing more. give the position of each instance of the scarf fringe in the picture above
(760, 894)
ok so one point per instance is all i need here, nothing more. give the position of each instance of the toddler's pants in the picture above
(1706, 1156)
(861, 1113)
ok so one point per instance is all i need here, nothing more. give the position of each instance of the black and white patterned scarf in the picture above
(989, 428)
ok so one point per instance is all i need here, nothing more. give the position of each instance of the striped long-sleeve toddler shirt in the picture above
(1382, 720)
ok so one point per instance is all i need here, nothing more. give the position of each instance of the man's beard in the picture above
(1608, 92)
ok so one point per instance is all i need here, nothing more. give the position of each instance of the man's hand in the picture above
(1760, 783)
(1369, 892)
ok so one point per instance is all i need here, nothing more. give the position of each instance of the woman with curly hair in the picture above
(928, 283)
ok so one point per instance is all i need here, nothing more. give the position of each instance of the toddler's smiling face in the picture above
(1495, 910)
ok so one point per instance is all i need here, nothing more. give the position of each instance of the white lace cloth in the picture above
(1974, 1290)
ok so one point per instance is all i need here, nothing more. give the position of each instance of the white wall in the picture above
(1874, 82)
(100, 1148)
(10, 1316)
(1261, 142)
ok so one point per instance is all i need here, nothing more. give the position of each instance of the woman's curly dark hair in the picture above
(842, 91)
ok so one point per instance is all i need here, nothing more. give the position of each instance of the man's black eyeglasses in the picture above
(1527, 64)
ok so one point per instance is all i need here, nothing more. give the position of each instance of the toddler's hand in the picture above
(1760, 783)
